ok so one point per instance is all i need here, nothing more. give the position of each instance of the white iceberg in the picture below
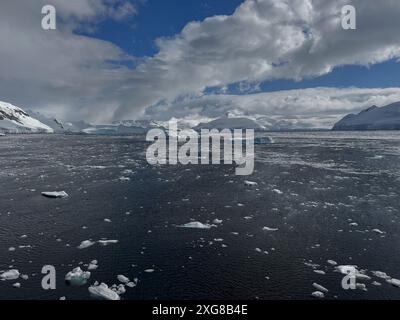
(270, 229)
(86, 244)
(250, 183)
(319, 287)
(77, 277)
(102, 291)
(123, 279)
(107, 242)
(12, 274)
(394, 282)
(196, 225)
(55, 194)
(317, 294)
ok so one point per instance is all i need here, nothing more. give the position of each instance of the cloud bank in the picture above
(77, 76)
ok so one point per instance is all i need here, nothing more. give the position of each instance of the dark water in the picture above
(327, 180)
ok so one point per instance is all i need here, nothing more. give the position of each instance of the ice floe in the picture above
(319, 287)
(86, 244)
(107, 242)
(394, 282)
(317, 294)
(12, 274)
(102, 291)
(250, 183)
(77, 277)
(55, 194)
(93, 265)
(270, 229)
(121, 278)
(196, 225)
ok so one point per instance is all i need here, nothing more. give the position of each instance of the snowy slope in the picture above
(16, 120)
(373, 118)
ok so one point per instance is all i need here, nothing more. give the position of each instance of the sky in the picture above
(132, 59)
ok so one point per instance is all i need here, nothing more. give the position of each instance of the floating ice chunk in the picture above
(149, 270)
(250, 183)
(317, 294)
(107, 220)
(107, 242)
(345, 269)
(63, 298)
(264, 140)
(217, 221)
(361, 286)
(102, 291)
(121, 289)
(55, 194)
(378, 231)
(258, 249)
(319, 272)
(124, 179)
(131, 284)
(123, 279)
(86, 244)
(17, 285)
(93, 265)
(376, 283)
(11, 249)
(196, 225)
(332, 262)
(277, 191)
(77, 277)
(381, 275)
(319, 287)
(353, 224)
(270, 229)
(394, 282)
(352, 270)
(12, 274)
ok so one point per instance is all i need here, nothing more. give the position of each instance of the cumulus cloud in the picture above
(262, 40)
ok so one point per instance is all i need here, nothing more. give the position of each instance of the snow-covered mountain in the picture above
(15, 120)
(373, 118)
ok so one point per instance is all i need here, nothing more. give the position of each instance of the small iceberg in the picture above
(196, 225)
(394, 282)
(320, 288)
(102, 291)
(264, 140)
(270, 229)
(86, 244)
(77, 277)
(55, 194)
(317, 294)
(250, 183)
(121, 278)
(12, 274)
(107, 242)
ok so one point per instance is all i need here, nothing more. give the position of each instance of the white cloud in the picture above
(262, 40)
(314, 107)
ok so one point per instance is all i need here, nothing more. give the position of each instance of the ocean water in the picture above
(325, 192)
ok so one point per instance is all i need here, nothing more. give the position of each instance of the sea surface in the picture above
(324, 192)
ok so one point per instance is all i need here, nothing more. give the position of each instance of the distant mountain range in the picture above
(373, 118)
(15, 120)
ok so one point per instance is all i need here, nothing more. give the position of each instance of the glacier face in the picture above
(373, 118)
(15, 120)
